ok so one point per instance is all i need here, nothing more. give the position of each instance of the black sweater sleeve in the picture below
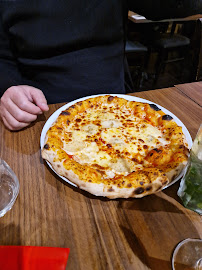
(165, 9)
(9, 73)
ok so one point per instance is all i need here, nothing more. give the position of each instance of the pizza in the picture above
(116, 148)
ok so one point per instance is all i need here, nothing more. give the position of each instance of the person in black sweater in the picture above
(56, 51)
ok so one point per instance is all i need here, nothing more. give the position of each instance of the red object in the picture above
(33, 258)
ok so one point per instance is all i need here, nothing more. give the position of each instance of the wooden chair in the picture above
(198, 52)
(170, 47)
(134, 63)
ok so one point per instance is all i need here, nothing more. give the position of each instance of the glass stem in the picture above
(198, 265)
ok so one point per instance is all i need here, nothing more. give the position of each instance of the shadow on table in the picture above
(10, 234)
(166, 200)
(139, 250)
(160, 224)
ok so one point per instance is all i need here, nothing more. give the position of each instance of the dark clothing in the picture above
(70, 49)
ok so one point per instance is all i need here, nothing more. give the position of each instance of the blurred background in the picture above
(162, 54)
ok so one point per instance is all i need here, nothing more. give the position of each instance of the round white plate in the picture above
(55, 115)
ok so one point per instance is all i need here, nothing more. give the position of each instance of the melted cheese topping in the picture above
(112, 139)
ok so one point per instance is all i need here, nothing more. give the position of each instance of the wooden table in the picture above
(136, 18)
(101, 233)
(193, 91)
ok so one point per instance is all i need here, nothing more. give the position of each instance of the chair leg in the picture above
(127, 70)
(140, 72)
(184, 53)
(147, 58)
(160, 65)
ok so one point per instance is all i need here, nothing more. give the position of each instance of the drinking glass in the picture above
(188, 255)
(9, 188)
(190, 190)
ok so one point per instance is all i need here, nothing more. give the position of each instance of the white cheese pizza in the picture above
(116, 148)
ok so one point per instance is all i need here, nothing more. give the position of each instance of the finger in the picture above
(9, 126)
(12, 123)
(20, 99)
(6, 123)
(0, 110)
(38, 98)
(19, 114)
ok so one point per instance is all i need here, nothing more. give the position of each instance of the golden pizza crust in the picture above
(143, 172)
(135, 185)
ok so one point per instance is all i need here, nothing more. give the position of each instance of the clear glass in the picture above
(9, 188)
(190, 190)
(188, 255)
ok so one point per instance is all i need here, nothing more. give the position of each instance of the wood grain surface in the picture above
(192, 90)
(101, 233)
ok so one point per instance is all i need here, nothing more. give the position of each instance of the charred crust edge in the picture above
(154, 107)
(46, 146)
(110, 98)
(65, 113)
(139, 190)
(167, 117)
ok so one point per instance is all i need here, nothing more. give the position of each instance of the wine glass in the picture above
(188, 255)
(9, 188)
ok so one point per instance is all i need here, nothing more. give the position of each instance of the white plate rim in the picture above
(55, 115)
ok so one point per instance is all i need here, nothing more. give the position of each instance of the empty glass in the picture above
(9, 188)
(188, 255)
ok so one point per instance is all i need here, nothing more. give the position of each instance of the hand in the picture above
(20, 105)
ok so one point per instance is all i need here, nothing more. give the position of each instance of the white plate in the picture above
(55, 115)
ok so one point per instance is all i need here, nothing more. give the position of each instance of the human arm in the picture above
(9, 71)
(19, 104)
(159, 9)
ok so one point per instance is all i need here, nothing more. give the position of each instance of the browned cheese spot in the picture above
(135, 160)
(109, 145)
(65, 113)
(99, 171)
(157, 150)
